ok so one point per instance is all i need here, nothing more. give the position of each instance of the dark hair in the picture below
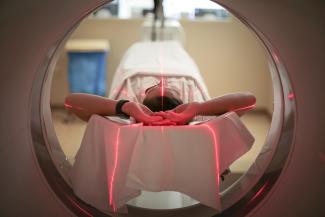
(161, 103)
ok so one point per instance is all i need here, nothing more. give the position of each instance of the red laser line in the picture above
(79, 207)
(244, 108)
(259, 192)
(161, 68)
(216, 154)
(114, 171)
(162, 82)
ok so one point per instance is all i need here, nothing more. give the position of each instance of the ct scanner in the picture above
(291, 176)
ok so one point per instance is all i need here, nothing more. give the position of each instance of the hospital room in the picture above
(224, 56)
(154, 108)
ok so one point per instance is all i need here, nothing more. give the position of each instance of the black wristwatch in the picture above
(118, 108)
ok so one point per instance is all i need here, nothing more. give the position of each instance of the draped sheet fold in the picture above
(116, 161)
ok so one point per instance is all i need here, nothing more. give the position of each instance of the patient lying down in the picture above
(161, 106)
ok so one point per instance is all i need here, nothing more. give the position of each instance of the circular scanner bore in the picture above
(248, 190)
(291, 182)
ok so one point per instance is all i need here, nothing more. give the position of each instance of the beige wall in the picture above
(229, 56)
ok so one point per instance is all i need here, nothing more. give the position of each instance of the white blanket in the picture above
(116, 161)
(167, 59)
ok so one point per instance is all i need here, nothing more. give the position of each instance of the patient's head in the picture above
(158, 99)
(161, 103)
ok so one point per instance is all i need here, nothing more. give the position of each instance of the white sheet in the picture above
(166, 59)
(134, 88)
(116, 161)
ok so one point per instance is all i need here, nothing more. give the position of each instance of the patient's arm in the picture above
(236, 102)
(85, 105)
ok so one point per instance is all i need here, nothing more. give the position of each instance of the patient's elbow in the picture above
(68, 102)
(250, 98)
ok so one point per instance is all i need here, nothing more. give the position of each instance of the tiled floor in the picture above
(70, 136)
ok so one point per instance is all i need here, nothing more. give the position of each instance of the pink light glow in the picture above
(216, 153)
(111, 203)
(124, 92)
(275, 56)
(143, 93)
(321, 157)
(115, 91)
(68, 106)
(291, 96)
(162, 129)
